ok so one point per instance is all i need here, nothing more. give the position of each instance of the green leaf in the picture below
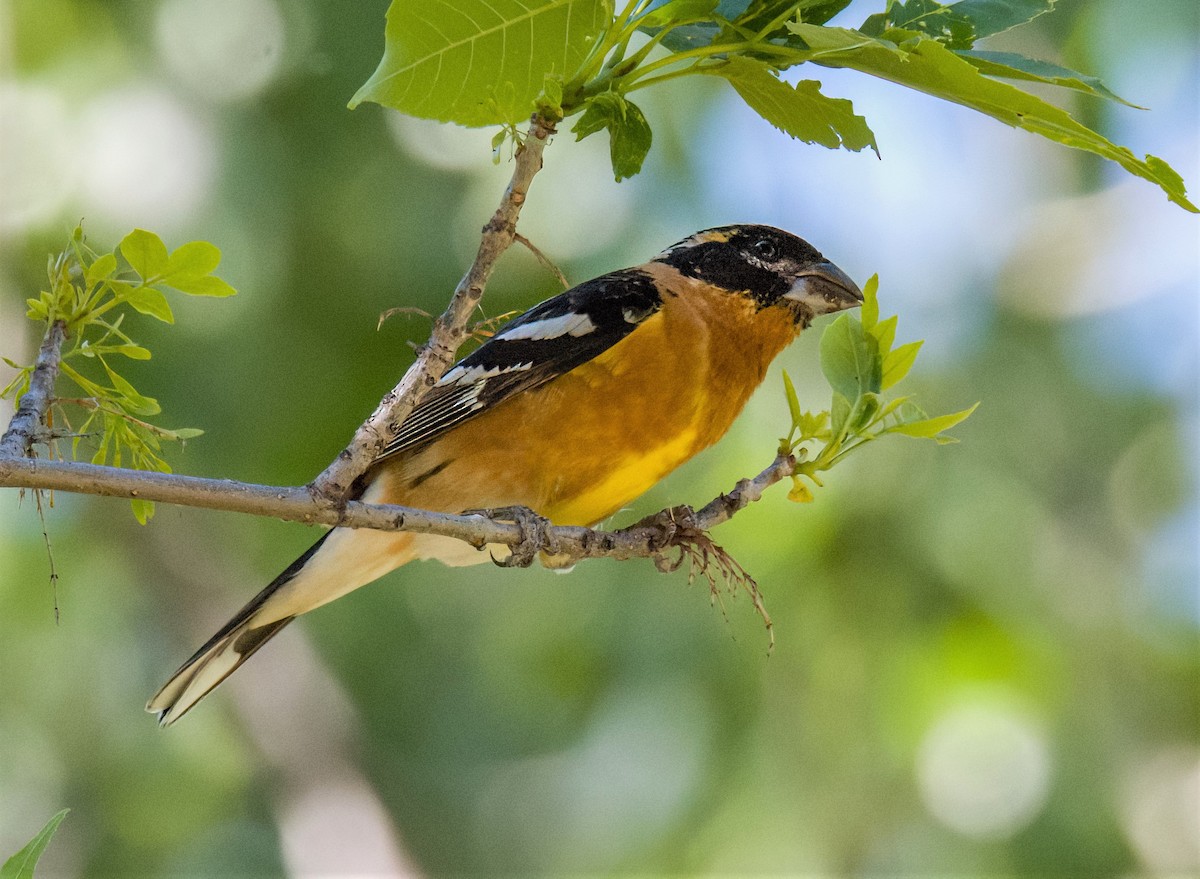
(186, 433)
(897, 363)
(865, 412)
(801, 112)
(1009, 65)
(793, 401)
(677, 10)
(146, 300)
(209, 285)
(928, 66)
(839, 411)
(131, 400)
(629, 135)
(145, 253)
(192, 260)
(20, 865)
(820, 11)
(143, 511)
(850, 358)
(885, 333)
(931, 427)
(869, 313)
(956, 25)
(439, 59)
(101, 269)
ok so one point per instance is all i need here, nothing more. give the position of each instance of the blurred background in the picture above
(988, 659)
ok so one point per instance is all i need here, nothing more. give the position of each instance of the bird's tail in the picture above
(226, 650)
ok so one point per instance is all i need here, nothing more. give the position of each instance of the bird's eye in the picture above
(765, 248)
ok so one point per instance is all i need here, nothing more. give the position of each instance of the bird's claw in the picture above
(535, 534)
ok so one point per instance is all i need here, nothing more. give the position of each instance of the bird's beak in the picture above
(823, 288)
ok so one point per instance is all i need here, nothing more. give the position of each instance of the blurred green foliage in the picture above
(987, 654)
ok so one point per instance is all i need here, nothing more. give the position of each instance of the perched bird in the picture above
(573, 409)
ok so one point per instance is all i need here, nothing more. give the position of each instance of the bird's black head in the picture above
(769, 265)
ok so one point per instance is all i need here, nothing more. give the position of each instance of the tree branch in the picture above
(449, 330)
(35, 402)
(649, 538)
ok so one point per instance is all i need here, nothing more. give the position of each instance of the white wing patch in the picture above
(467, 375)
(570, 324)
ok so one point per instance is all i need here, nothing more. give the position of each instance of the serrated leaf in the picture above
(146, 300)
(898, 362)
(931, 427)
(801, 112)
(628, 132)
(1010, 65)
(439, 59)
(21, 865)
(101, 269)
(956, 25)
(145, 253)
(928, 66)
(850, 358)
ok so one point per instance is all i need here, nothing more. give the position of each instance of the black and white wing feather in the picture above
(550, 339)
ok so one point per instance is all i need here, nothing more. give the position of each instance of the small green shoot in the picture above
(90, 293)
(860, 363)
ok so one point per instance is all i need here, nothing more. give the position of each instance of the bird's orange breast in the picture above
(584, 445)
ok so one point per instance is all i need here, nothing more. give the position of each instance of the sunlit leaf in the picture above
(101, 269)
(801, 112)
(192, 260)
(931, 427)
(146, 300)
(209, 285)
(442, 60)
(898, 362)
(850, 358)
(145, 253)
(793, 401)
(629, 133)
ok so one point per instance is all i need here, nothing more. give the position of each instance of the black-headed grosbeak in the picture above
(573, 409)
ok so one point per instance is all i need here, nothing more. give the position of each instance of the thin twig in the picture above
(449, 331)
(546, 262)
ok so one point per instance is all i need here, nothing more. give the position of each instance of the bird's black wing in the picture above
(550, 339)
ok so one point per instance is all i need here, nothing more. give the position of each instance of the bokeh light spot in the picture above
(225, 50)
(147, 159)
(984, 770)
(35, 170)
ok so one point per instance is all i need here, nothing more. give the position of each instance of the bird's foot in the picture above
(535, 535)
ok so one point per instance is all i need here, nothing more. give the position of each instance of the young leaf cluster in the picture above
(860, 361)
(485, 62)
(90, 294)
